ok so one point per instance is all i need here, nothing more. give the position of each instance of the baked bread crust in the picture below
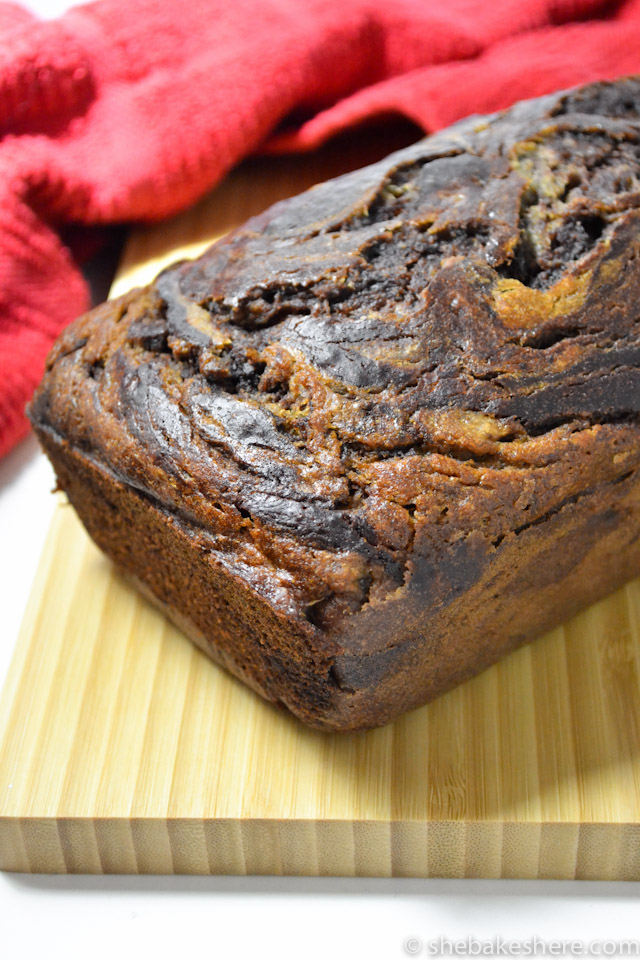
(387, 430)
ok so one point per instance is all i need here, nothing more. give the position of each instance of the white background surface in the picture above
(261, 917)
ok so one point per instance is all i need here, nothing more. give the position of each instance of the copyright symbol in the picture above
(412, 945)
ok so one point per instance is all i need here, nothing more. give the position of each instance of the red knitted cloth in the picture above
(131, 109)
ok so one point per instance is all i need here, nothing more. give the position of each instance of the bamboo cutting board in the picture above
(123, 749)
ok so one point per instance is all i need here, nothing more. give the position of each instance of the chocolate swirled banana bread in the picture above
(388, 430)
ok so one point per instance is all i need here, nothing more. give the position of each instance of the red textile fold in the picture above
(131, 111)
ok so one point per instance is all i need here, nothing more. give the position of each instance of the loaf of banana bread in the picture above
(388, 430)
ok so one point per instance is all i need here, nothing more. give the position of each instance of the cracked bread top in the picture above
(437, 350)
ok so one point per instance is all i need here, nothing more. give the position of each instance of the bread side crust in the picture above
(534, 582)
(215, 607)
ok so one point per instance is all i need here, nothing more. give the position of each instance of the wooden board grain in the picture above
(123, 749)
